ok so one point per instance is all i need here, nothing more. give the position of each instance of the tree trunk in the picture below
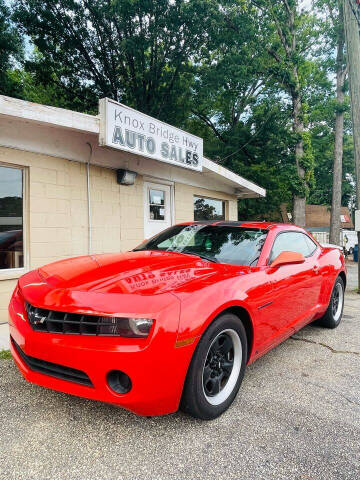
(299, 204)
(339, 133)
(299, 201)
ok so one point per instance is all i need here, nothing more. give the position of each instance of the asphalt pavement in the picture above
(297, 416)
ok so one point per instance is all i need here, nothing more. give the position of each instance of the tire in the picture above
(216, 369)
(333, 314)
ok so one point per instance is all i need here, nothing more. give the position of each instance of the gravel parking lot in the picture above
(297, 416)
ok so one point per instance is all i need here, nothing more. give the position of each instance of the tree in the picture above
(334, 36)
(329, 120)
(322, 138)
(239, 110)
(134, 51)
(296, 33)
(339, 126)
(254, 78)
(11, 51)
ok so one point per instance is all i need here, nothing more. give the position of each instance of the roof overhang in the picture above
(243, 188)
(45, 115)
(14, 108)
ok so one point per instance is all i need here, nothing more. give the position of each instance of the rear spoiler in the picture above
(331, 245)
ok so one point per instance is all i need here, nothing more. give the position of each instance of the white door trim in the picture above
(150, 179)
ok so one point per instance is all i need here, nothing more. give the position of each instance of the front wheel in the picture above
(333, 314)
(217, 369)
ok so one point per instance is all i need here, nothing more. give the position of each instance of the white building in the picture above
(60, 194)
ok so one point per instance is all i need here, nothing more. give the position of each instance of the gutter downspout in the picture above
(89, 199)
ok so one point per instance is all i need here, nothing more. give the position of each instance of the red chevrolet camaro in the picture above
(175, 321)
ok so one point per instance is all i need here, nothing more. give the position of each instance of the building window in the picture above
(157, 204)
(11, 218)
(208, 209)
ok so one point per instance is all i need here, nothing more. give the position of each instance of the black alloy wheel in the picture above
(216, 369)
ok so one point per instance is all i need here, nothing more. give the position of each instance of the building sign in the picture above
(126, 129)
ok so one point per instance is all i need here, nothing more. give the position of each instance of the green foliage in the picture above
(139, 52)
(231, 72)
(322, 107)
(5, 354)
(11, 50)
(321, 128)
(323, 144)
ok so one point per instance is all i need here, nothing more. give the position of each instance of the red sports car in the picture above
(175, 321)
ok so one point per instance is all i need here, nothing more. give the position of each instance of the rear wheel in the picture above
(217, 369)
(333, 314)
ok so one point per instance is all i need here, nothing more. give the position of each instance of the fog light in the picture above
(119, 381)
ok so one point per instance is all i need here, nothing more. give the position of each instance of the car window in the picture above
(292, 242)
(311, 244)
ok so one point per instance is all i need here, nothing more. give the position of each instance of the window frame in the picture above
(225, 203)
(292, 231)
(14, 273)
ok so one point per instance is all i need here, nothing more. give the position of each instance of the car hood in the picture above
(141, 272)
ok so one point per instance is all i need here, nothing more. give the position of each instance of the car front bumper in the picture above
(156, 367)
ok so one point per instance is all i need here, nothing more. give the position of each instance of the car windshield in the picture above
(224, 244)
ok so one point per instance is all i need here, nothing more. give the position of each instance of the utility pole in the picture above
(352, 35)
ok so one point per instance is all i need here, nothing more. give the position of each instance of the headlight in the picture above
(125, 327)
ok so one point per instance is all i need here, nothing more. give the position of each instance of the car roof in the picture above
(245, 224)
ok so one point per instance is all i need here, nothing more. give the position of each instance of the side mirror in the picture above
(287, 258)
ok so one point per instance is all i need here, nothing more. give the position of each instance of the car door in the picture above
(295, 288)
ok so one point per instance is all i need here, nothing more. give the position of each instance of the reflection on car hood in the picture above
(141, 272)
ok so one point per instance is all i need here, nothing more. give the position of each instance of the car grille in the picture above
(53, 369)
(52, 321)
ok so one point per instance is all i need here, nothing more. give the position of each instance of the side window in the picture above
(292, 242)
(11, 218)
(312, 245)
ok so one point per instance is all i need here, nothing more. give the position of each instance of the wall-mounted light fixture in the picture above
(125, 177)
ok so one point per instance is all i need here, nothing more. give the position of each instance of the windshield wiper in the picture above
(255, 260)
(205, 257)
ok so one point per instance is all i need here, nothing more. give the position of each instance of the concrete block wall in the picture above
(57, 215)
(132, 214)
